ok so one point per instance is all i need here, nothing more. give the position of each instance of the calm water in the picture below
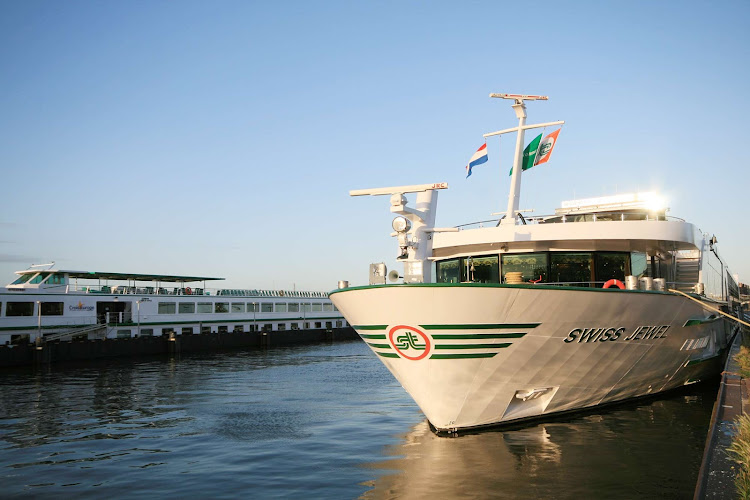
(321, 421)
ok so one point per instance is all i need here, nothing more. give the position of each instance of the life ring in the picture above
(617, 283)
(188, 291)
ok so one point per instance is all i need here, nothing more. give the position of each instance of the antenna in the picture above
(519, 98)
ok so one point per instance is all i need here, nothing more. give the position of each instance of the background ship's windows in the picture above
(56, 279)
(317, 307)
(532, 266)
(238, 307)
(328, 307)
(52, 308)
(38, 278)
(266, 307)
(187, 330)
(295, 326)
(205, 307)
(280, 307)
(187, 308)
(281, 327)
(167, 307)
(611, 265)
(318, 324)
(307, 307)
(22, 279)
(147, 332)
(293, 307)
(571, 269)
(252, 307)
(19, 309)
(221, 307)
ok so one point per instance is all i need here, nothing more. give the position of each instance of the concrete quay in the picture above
(718, 470)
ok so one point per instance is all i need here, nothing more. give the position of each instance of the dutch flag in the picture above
(477, 159)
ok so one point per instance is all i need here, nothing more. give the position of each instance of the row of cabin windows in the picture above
(265, 327)
(27, 309)
(570, 268)
(241, 307)
(57, 308)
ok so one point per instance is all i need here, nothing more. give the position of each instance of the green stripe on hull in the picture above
(387, 354)
(379, 346)
(464, 356)
(374, 336)
(370, 327)
(471, 346)
(475, 336)
(496, 326)
(699, 321)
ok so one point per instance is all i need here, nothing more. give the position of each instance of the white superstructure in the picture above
(521, 317)
(46, 303)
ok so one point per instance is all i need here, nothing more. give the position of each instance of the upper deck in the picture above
(620, 223)
(50, 280)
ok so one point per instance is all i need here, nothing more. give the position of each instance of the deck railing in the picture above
(573, 218)
(224, 292)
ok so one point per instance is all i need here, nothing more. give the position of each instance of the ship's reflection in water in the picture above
(649, 449)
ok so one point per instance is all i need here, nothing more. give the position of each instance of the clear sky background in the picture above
(222, 138)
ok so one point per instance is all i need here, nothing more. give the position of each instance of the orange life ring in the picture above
(188, 291)
(617, 283)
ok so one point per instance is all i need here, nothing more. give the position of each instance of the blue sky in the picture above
(222, 138)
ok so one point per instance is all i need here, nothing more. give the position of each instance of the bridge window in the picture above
(611, 265)
(448, 271)
(19, 309)
(638, 264)
(52, 308)
(474, 269)
(572, 268)
(532, 266)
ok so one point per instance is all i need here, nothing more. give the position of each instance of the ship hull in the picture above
(477, 355)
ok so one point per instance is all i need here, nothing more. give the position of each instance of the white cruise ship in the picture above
(45, 303)
(523, 317)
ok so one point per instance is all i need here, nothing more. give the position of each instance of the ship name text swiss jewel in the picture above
(613, 334)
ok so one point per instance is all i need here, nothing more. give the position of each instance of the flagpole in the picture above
(515, 181)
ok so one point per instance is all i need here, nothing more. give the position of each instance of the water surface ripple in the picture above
(326, 421)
